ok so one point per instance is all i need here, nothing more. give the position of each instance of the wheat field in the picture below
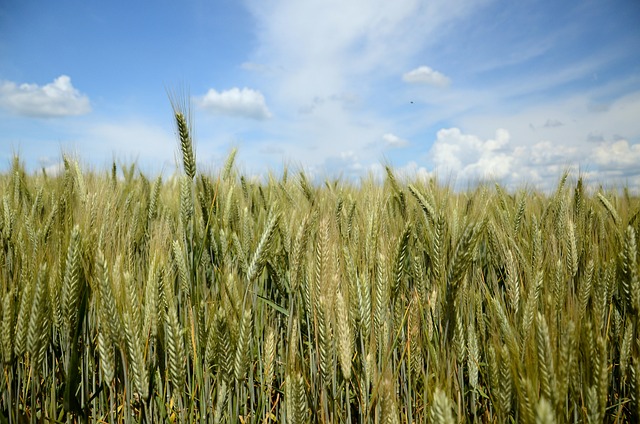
(212, 298)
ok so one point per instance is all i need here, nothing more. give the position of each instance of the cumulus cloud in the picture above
(56, 99)
(393, 141)
(514, 161)
(616, 163)
(585, 140)
(426, 75)
(245, 102)
(618, 154)
(470, 157)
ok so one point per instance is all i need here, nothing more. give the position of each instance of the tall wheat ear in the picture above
(181, 105)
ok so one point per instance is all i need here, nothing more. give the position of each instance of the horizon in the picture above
(494, 91)
(568, 177)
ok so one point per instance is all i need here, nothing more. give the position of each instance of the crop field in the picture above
(214, 298)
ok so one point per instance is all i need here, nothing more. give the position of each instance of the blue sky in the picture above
(468, 90)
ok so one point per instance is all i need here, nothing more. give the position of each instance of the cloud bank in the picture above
(56, 99)
(470, 158)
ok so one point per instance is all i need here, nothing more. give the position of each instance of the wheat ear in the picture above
(441, 409)
(186, 145)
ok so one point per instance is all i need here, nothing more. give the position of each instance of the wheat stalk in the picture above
(544, 412)
(150, 324)
(181, 265)
(136, 356)
(175, 348)
(186, 144)
(389, 413)
(186, 202)
(228, 165)
(71, 282)
(260, 255)
(22, 319)
(243, 345)
(37, 332)
(296, 399)
(545, 360)
(269, 355)
(609, 207)
(441, 411)
(223, 346)
(7, 327)
(344, 335)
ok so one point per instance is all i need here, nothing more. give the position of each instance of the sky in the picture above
(465, 90)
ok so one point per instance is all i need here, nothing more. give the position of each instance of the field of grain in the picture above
(211, 298)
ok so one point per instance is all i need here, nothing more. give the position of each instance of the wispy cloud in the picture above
(370, 46)
(245, 102)
(153, 147)
(335, 60)
(260, 68)
(56, 99)
(551, 123)
(271, 149)
(426, 75)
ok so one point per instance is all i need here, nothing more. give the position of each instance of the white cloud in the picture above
(412, 172)
(618, 155)
(470, 157)
(426, 75)
(243, 102)
(586, 138)
(325, 48)
(393, 141)
(546, 153)
(56, 99)
(54, 169)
